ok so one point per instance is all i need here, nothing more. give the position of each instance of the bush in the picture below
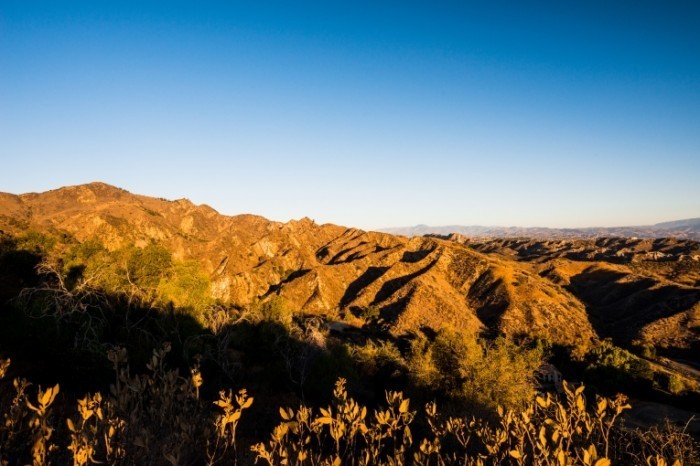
(476, 373)
(275, 310)
(369, 313)
(35, 242)
(148, 266)
(675, 384)
(186, 287)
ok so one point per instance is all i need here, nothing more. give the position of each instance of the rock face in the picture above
(332, 270)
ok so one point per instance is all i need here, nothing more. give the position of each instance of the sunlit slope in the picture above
(633, 290)
(339, 272)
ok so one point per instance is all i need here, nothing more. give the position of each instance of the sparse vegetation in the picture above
(369, 313)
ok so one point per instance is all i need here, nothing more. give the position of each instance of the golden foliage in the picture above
(158, 418)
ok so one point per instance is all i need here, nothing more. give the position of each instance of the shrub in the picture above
(374, 358)
(186, 287)
(146, 267)
(675, 384)
(369, 313)
(275, 310)
(476, 373)
(35, 242)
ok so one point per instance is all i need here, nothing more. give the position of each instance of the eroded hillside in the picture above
(633, 290)
(319, 269)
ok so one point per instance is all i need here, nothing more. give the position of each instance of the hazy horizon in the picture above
(535, 226)
(366, 114)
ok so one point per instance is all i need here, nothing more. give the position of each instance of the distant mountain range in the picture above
(682, 229)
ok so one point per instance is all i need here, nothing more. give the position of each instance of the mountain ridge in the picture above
(545, 289)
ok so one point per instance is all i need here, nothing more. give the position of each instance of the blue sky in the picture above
(367, 114)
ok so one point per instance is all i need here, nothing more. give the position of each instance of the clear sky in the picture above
(366, 114)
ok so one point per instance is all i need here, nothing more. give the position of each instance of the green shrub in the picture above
(374, 358)
(275, 309)
(675, 384)
(477, 373)
(35, 242)
(186, 287)
(148, 266)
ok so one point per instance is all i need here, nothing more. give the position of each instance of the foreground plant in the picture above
(341, 433)
(226, 422)
(158, 418)
(548, 431)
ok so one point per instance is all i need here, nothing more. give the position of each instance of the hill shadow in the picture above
(412, 257)
(369, 276)
(290, 278)
(390, 313)
(621, 309)
(71, 349)
(489, 300)
(392, 286)
(338, 257)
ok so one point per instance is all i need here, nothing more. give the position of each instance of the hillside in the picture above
(626, 288)
(570, 291)
(317, 269)
(633, 289)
